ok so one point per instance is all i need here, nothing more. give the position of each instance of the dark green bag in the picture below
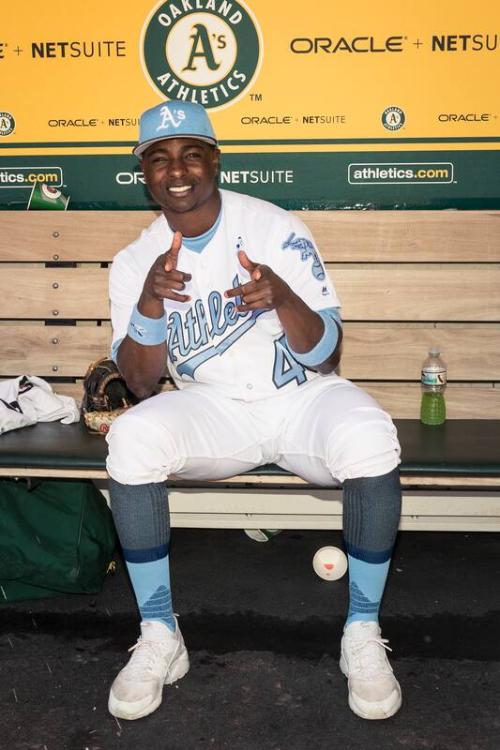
(56, 537)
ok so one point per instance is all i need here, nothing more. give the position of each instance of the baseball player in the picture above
(230, 294)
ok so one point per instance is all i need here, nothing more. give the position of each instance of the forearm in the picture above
(305, 329)
(313, 338)
(142, 354)
(141, 366)
(303, 326)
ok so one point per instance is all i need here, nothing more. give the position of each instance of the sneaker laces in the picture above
(147, 655)
(368, 656)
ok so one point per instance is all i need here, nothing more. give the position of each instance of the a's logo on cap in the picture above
(203, 51)
(173, 118)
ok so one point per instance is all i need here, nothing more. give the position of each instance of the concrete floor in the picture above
(263, 634)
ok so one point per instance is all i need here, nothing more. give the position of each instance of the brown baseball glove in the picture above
(105, 395)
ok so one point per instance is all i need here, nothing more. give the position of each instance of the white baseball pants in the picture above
(328, 428)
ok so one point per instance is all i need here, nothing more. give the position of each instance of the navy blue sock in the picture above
(371, 513)
(141, 517)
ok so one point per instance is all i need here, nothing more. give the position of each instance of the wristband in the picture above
(325, 346)
(147, 331)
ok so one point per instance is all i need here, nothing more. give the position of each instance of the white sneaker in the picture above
(159, 658)
(374, 692)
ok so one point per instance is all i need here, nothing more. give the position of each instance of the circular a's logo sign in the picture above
(393, 118)
(7, 123)
(204, 51)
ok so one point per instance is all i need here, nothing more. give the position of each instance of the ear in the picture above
(216, 158)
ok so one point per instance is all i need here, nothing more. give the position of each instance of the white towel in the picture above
(28, 399)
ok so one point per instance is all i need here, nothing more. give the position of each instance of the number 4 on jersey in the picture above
(286, 368)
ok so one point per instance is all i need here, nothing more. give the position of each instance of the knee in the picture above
(365, 446)
(137, 452)
(383, 488)
(128, 435)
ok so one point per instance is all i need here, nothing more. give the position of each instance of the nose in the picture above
(176, 166)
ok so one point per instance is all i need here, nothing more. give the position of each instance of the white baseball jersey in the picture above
(243, 355)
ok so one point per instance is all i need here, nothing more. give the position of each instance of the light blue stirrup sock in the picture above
(141, 517)
(371, 513)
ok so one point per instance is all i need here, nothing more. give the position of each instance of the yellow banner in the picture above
(288, 75)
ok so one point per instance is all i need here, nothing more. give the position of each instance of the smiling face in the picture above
(180, 174)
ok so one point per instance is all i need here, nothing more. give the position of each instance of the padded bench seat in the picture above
(458, 452)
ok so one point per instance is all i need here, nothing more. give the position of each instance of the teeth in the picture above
(181, 189)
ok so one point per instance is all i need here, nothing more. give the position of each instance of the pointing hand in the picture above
(265, 290)
(164, 280)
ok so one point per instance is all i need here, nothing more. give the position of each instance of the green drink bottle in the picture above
(433, 383)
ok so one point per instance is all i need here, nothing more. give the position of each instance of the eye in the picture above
(193, 155)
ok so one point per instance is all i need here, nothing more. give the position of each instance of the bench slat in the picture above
(402, 400)
(370, 351)
(434, 294)
(343, 236)
(406, 236)
(39, 349)
(394, 352)
(54, 293)
(71, 236)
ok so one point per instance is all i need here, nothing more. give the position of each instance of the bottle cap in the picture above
(434, 352)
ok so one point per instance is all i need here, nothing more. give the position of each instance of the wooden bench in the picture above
(408, 280)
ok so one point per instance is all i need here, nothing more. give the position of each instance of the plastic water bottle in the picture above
(433, 407)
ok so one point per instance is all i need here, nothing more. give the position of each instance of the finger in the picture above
(173, 253)
(171, 292)
(258, 298)
(177, 297)
(239, 291)
(249, 265)
(161, 288)
(253, 306)
(174, 275)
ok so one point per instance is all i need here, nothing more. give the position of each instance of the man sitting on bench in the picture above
(231, 294)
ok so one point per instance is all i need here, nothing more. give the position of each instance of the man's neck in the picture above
(199, 221)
